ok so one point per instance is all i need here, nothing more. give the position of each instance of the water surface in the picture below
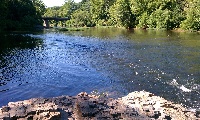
(113, 61)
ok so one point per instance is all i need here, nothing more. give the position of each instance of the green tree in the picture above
(168, 14)
(3, 15)
(81, 18)
(121, 13)
(67, 9)
(143, 20)
(192, 10)
(100, 10)
(157, 13)
(52, 12)
(39, 6)
(19, 14)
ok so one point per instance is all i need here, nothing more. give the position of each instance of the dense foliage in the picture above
(20, 14)
(167, 14)
(159, 14)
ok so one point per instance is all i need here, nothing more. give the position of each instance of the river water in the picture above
(107, 60)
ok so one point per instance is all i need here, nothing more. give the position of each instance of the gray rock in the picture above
(135, 106)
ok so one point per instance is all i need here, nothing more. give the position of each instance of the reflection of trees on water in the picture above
(149, 60)
(18, 41)
(16, 53)
(131, 60)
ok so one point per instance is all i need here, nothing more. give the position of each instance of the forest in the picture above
(159, 14)
(20, 14)
(155, 14)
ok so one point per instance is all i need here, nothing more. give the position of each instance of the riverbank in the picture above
(136, 105)
(178, 30)
(73, 29)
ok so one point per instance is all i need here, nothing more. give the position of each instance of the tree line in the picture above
(20, 14)
(159, 14)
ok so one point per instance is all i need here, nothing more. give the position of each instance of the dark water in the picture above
(111, 61)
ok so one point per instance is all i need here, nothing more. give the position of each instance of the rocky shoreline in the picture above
(135, 106)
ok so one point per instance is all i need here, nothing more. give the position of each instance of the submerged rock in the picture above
(135, 106)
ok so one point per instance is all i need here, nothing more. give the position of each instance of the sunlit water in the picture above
(111, 61)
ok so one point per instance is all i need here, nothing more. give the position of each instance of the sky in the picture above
(51, 3)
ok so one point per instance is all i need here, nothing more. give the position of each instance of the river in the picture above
(100, 60)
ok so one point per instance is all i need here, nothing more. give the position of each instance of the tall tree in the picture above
(157, 13)
(121, 13)
(39, 6)
(192, 11)
(100, 10)
(67, 9)
(52, 12)
(3, 14)
(82, 16)
(168, 14)
(20, 14)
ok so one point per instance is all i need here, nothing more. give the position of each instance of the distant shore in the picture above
(85, 28)
(136, 105)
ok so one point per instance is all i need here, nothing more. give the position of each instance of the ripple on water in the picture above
(66, 64)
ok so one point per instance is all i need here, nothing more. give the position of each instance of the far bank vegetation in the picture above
(153, 14)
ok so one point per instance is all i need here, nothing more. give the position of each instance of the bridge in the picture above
(47, 19)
